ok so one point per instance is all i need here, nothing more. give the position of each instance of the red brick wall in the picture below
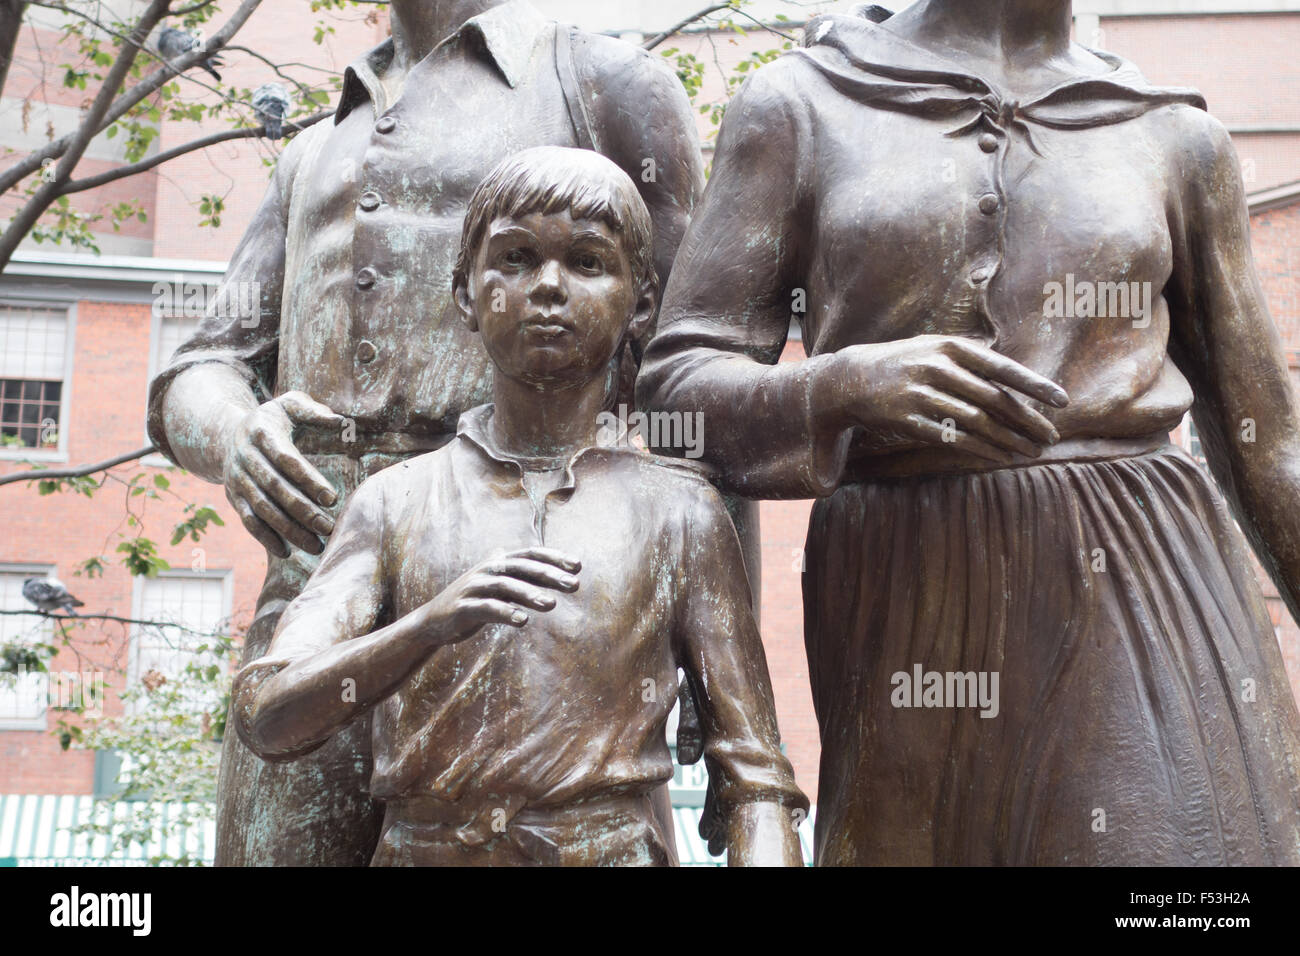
(784, 529)
(106, 417)
(1275, 239)
(35, 78)
(1245, 66)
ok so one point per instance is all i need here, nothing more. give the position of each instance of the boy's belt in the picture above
(482, 824)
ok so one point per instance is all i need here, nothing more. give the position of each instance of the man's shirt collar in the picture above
(509, 35)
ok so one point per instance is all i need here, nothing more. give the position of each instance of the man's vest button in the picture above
(369, 201)
(989, 143)
(989, 204)
(386, 124)
(366, 352)
(366, 278)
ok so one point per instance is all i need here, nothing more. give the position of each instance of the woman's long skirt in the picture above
(1066, 663)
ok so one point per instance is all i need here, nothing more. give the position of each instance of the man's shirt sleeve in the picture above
(241, 326)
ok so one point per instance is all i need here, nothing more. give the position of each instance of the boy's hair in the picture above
(551, 179)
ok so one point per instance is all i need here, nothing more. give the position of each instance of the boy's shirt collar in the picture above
(510, 36)
(475, 427)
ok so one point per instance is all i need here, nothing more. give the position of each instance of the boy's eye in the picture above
(589, 263)
(517, 258)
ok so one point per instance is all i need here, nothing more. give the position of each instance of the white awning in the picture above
(35, 831)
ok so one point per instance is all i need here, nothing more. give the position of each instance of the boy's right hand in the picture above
(500, 590)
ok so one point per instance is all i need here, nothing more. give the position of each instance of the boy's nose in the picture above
(549, 286)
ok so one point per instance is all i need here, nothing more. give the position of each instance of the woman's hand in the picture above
(940, 390)
(499, 591)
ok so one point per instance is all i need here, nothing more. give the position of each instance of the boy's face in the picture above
(552, 297)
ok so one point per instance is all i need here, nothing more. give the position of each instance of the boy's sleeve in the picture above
(342, 600)
(718, 644)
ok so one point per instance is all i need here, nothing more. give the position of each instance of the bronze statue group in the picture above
(478, 602)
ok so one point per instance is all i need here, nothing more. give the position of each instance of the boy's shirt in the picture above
(571, 706)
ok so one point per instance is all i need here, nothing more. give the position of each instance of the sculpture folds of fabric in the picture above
(1138, 710)
(348, 263)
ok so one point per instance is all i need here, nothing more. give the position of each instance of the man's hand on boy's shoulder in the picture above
(500, 590)
(278, 495)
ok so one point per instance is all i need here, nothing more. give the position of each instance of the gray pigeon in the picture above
(872, 11)
(174, 43)
(49, 594)
(271, 101)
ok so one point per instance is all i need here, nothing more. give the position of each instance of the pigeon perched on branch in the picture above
(271, 102)
(174, 43)
(49, 594)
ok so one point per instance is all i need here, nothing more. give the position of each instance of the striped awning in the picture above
(36, 831)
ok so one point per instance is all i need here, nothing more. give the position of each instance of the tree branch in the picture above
(192, 8)
(120, 620)
(11, 22)
(303, 88)
(127, 101)
(767, 26)
(677, 28)
(121, 172)
(80, 471)
(25, 218)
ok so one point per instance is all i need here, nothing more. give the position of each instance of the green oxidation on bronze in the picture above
(932, 182)
(356, 357)
(513, 608)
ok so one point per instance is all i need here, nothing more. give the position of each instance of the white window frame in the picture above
(156, 460)
(34, 723)
(227, 578)
(60, 453)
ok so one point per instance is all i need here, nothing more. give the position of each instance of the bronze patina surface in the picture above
(1016, 265)
(355, 357)
(513, 608)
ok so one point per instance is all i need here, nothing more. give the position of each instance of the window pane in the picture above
(173, 331)
(33, 343)
(22, 698)
(34, 404)
(198, 605)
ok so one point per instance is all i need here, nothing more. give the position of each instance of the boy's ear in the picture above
(460, 290)
(642, 315)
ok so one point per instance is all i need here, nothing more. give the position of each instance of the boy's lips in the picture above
(549, 326)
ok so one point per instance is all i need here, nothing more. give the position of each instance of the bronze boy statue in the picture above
(514, 606)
